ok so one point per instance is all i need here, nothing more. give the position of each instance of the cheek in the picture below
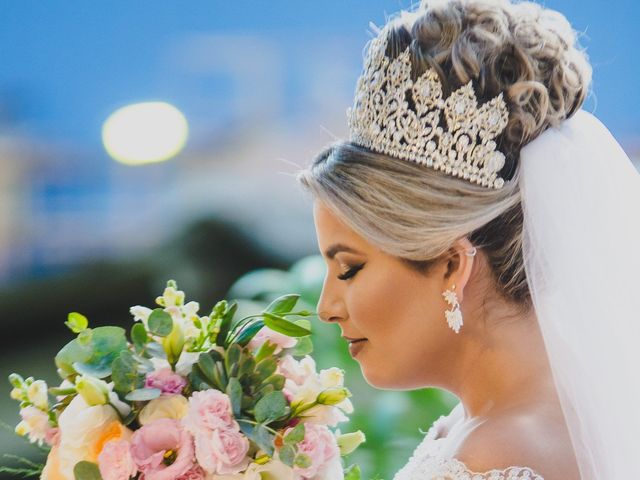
(397, 309)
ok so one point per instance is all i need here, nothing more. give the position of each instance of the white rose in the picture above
(165, 406)
(80, 426)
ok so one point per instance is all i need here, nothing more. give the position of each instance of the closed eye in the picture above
(351, 272)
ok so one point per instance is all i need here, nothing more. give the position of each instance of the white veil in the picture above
(581, 202)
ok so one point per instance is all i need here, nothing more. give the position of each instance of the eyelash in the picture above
(351, 272)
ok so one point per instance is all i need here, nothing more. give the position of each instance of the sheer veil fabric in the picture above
(581, 203)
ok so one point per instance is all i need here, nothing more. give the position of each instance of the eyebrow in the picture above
(339, 247)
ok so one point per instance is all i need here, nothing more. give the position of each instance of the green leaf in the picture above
(232, 356)
(143, 394)
(234, 391)
(156, 350)
(85, 337)
(139, 335)
(160, 323)
(247, 366)
(302, 460)
(284, 326)
(266, 350)
(264, 439)
(302, 348)
(125, 375)
(76, 322)
(86, 471)
(276, 380)
(295, 435)
(283, 304)
(271, 407)
(287, 455)
(225, 324)
(248, 332)
(352, 473)
(208, 368)
(266, 368)
(96, 357)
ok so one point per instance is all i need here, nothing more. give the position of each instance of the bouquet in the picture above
(190, 397)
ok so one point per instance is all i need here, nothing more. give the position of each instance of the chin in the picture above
(384, 380)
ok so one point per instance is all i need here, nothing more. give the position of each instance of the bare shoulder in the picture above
(537, 440)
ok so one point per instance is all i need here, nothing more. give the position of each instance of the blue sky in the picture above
(64, 65)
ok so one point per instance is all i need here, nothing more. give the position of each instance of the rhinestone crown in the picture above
(382, 120)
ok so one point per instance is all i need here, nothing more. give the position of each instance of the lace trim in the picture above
(427, 463)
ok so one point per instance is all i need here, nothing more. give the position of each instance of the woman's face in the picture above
(395, 314)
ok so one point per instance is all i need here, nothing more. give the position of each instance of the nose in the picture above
(330, 306)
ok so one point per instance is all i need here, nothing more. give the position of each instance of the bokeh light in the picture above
(144, 133)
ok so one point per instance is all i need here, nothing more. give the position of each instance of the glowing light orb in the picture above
(145, 133)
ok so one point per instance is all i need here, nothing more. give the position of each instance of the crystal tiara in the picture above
(382, 120)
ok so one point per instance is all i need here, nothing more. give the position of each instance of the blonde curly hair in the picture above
(529, 53)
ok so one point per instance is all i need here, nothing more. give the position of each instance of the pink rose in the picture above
(266, 334)
(115, 461)
(166, 380)
(209, 410)
(196, 473)
(162, 450)
(320, 446)
(222, 452)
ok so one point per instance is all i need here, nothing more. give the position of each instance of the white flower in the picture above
(80, 426)
(37, 394)
(35, 424)
(171, 297)
(141, 314)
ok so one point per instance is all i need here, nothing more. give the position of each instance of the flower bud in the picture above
(37, 394)
(16, 380)
(93, 390)
(333, 396)
(174, 343)
(348, 442)
(17, 394)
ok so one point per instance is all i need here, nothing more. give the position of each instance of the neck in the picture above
(502, 366)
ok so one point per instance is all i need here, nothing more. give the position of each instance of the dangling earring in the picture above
(454, 316)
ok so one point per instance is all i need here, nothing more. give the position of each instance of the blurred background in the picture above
(102, 199)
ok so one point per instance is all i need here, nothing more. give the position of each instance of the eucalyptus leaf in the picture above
(283, 304)
(302, 460)
(86, 471)
(271, 407)
(302, 348)
(76, 322)
(160, 323)
(287, 455)
(125, 374)
(143, 394)
(284, 326)
(295, 435)
(139, 335)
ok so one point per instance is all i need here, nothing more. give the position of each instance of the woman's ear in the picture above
(459, 266)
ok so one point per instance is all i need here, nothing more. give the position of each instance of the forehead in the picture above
(331, 229)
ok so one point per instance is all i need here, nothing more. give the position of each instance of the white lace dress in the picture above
(432, 459)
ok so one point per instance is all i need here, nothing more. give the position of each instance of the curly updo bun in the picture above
(527, 52)
(522, 49)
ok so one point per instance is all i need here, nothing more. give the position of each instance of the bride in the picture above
(478, 231)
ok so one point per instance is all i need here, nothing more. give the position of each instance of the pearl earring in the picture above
(454, 316)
